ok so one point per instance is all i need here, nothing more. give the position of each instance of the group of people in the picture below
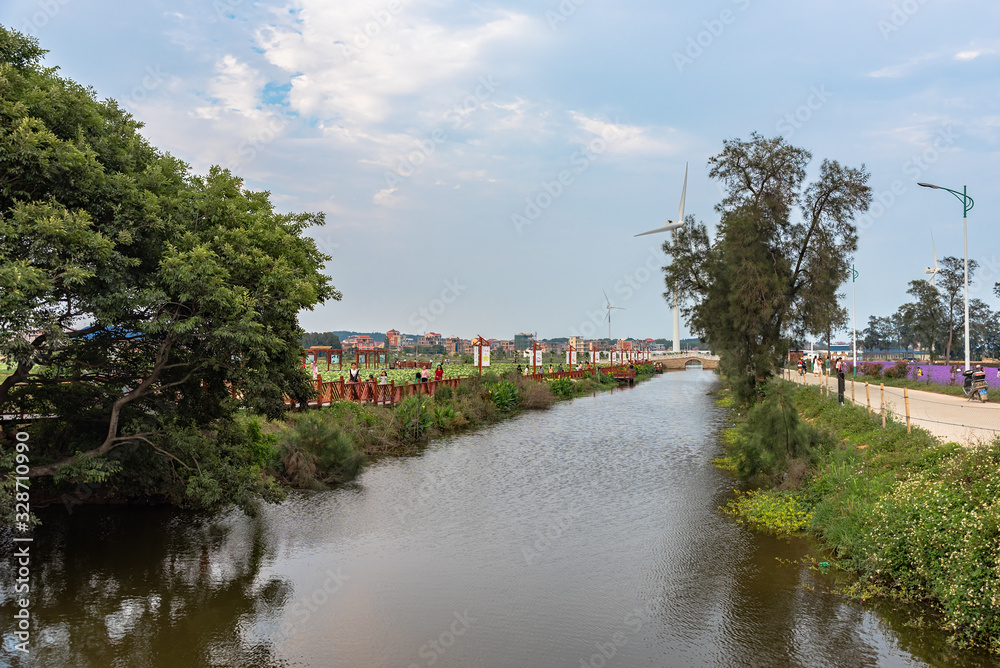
(422, 376)
(818, 363)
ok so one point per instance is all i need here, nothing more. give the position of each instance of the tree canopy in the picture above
(780, 252)
(141, 305)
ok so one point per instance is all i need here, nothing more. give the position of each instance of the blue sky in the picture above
(434, 134)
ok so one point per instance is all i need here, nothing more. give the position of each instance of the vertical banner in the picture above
(570, 357)
(481, 355)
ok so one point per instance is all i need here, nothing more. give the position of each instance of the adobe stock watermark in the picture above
(544, 538)
(914, 167)
(431, 486)
(626, 288)
(704, 39)
(251, 147)
(900, 15)
(363, 34)
(304, 607)
(632, 624)
(987, 276)
(409, 164)
(22, 554)
(150, 82)
(432, 650)
(425, 315)
(47, 10)
(562, 13)
(551, 190)
(802, 114)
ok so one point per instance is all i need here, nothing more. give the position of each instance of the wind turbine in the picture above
(609, 307)
(933, 272)
(671, 226)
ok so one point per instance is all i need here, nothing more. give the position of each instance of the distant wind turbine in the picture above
(609, 307)
(933, 272)
(671, 226)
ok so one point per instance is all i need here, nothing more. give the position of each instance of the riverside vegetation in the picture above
(329, 445)
(914, 518)
(317, 448)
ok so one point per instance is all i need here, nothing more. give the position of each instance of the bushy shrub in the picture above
(898, 370)
(871, 370)
(412, 418)
(562, 387)
(533, 394)
(444, 417)
(443, 395)
(505, 396)
(316, 452)
(773, 435)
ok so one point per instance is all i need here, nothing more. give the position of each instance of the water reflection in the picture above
(140, 587)
(581, 536)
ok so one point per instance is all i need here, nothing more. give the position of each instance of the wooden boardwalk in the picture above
(390, 394)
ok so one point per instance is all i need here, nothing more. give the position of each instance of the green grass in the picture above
(954, 390)
(915, 518)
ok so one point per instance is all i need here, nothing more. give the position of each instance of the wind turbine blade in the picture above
(680, 214)
(933, 248)
(666, 228)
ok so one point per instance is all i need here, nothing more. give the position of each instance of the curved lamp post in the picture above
(967, 204)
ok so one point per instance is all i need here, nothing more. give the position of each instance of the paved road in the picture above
(951, 418)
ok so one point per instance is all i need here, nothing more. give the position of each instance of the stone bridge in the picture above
(687, 360)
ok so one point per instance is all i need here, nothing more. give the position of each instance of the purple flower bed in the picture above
(940, 374)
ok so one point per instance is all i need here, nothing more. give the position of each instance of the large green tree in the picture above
(951, 286)
(140, 305)
(780, 252)
(924, 315)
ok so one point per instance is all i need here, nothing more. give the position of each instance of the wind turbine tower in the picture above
(671, 226)
(609, 307)
(932, 271)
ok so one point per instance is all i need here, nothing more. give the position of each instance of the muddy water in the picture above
(586, 535)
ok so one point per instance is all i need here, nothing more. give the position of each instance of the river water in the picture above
(585, 535)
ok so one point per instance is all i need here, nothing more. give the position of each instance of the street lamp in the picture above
(967, 205)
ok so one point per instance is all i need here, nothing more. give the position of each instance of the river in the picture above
(585, 535)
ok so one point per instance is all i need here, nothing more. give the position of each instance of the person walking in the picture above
(438, 372)
(354, 375)
(817, 366)
(425, 375)
(841, 380)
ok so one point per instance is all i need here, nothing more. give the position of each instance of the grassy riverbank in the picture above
(916, 519)
(317, 448)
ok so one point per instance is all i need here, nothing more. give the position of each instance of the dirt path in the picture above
(951, 418)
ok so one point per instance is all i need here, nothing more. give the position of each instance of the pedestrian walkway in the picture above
(948, 417)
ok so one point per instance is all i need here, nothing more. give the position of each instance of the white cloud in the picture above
(236, 89)
(624, 138)
(900, 69)
(357, 67)
(972, 54)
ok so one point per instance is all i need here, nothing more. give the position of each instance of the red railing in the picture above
(390, 394)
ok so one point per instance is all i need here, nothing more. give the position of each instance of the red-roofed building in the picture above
(393, 339)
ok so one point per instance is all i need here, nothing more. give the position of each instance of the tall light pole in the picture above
(854, 317)
(967, 205)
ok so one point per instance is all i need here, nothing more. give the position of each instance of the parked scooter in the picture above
(975, 384)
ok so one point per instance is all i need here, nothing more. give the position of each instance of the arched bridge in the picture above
(687, 361)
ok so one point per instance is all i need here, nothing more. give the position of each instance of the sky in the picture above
(483, 167)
